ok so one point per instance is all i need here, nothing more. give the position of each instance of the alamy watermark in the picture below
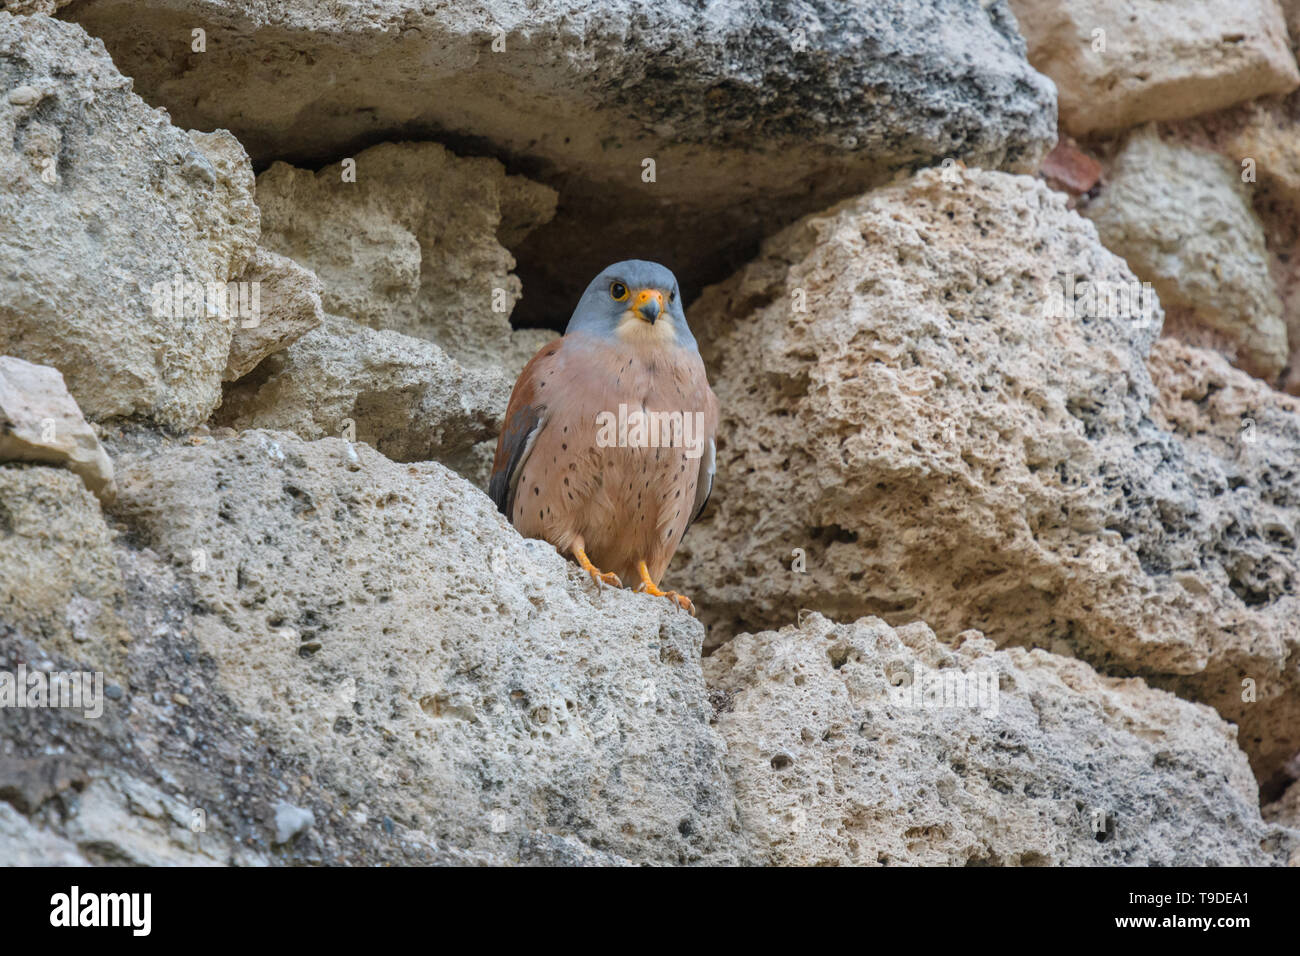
(1071, 297)
(188, 298)
(921, 688)
(645, 429)
(76, 690)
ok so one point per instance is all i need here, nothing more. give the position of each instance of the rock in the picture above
(1291, 12)
(1241, 440)
(103, 204)
(403, 396)
(1262, 141)
(861, 744)
(40, 422)
(1184, 222)
(176, 785)
(59, 581)
(1267, 132)
(290, 821)
(1118, 63)
(29, 782)
(22, 844)
(942, 441)
(34, 6)
(753, 113)
(415, 241)
(1285, 811)
(422, 659)
(122, 820)
(288, 299)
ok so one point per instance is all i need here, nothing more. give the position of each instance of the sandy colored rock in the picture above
(1268, 132)
(404, 396)
(39, 422)
(422, 658)
(753, 113)
(1183, 220)
(102, 200)
(286, 305)
(59, 583)
(416, 244)
(1118, 63)
(860, 744)
(941, 443)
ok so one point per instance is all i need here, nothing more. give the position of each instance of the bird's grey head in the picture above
(633, 301)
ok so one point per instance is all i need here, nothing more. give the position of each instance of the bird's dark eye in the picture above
(672, 295)
(618, 291)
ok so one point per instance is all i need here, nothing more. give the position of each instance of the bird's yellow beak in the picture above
(648, 303)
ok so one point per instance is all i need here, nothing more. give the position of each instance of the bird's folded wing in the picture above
(525, 418)
(708, 460)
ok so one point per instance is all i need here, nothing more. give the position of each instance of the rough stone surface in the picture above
(40, 422)
(173, 773)
(832, 765)
(944, 446)
(754, 112)
(100, 199)
(404, 396)
(1183, 221)
(416, 244)
(383, 623)
(22, 844)
(59, 582)
(1286, 809)
(1151, 62)
(288, 307)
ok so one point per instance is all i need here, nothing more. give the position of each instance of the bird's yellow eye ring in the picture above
(618, 291)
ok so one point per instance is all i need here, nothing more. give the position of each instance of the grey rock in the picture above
(40, 422)
(99, 207)
(1183, 221)
(865, 744)
(290, 821)
(755, 112)
(904, 400)
(404, 396)
(420, 658)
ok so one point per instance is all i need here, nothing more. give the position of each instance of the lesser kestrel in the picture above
(608, 446)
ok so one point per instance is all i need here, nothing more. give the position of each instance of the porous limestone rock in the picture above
(753, 113)
(914, 427)
(102, 200)
(1183, 220)
(382, 623)
(59, 581)
(1118, 63)
(40, 422)
(415, 242)
(285, 300)
(404, 396)
(862, 744)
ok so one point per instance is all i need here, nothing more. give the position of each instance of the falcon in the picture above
(608, 449)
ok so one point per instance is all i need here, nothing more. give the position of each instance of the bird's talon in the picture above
(597, 575)
(682, 601)
(605, 577)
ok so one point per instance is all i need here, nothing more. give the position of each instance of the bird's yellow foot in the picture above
(597, 575)
(649, 587)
